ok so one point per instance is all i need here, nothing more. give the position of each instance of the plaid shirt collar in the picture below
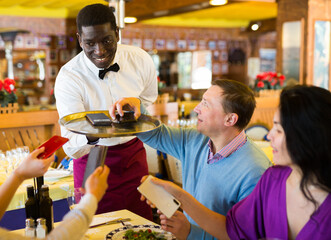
(226, 151)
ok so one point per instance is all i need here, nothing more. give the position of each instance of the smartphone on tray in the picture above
(51, 145)
(163, 200)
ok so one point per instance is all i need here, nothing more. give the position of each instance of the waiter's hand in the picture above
(130, 104)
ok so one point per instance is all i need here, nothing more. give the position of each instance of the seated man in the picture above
(220, 165)
(77, 221)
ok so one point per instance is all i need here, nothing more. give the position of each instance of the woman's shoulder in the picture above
(277, 172)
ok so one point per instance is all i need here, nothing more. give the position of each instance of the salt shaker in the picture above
(29, 227)
(41, 228)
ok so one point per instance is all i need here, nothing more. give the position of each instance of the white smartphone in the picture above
(163, 200)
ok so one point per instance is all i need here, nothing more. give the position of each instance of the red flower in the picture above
(273, 82)
(9, 85)
(260, 84)
(259, 76)
(1, 85)
(269, 80)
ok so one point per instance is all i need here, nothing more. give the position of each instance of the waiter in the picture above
(97, 77)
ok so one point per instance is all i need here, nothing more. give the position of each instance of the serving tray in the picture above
(78, 123)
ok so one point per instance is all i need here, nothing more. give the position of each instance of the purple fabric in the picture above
(262, 214)
(127, 163)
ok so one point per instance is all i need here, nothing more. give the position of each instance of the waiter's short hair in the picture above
(237, 98)
(95, 14)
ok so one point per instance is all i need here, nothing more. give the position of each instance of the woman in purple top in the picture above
(291, 200)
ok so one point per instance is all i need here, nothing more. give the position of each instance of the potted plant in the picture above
(269, 80)
(7, 92)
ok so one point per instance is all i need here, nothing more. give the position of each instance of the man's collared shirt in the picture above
(226, 151)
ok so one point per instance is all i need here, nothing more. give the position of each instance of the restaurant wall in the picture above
(307, 12)
(228, 45)
(52, 50)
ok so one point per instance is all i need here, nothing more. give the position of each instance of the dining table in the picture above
(59, 183)
(102, 230)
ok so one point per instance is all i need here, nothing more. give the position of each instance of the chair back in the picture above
(164, 111)
(264, 111)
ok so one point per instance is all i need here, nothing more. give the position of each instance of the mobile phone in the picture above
(98, 119)
(51, 145)
(163, 200)
(95, 159)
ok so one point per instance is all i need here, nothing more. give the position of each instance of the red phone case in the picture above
(51, 145)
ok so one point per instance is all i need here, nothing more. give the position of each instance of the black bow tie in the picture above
(113, 68)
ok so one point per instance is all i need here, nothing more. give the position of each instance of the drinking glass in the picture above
(73, 197)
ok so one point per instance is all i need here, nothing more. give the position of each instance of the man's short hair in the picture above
(95, 14)
(237, 98)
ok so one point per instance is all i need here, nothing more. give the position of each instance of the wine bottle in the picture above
(31, 204)
(46, 207)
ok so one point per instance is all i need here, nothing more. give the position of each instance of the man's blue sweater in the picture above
(218, 186)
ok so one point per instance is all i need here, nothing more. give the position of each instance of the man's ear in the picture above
(117, 33)
(79, 40)
(231, 119)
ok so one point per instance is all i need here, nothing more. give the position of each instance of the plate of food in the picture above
(140, 232)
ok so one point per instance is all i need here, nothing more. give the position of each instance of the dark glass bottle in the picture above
(182, 112)
(46, 207)
(31, 204)
(39, 183)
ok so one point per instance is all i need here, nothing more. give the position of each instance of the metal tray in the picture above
(78, 123)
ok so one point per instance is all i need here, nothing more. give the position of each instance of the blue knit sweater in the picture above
(219, 185)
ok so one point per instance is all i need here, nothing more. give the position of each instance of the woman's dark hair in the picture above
(237, 98)
(305, 115)
(95, 14)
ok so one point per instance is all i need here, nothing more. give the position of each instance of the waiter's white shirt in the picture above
(78, 89)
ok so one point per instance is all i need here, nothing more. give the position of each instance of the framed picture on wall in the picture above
(224, 68)
(31, 42)
(148, 44)
(45, 41)
(267, 59)
(181, 44)
(61, 42)
(126, 41)
(221, 44)
(212, 45)
(53, 71)
(53, 56)
(216, 68)
(192, 45)
(19, 41)
(64, 56)
(137, 42)
(160, 44)
(171, 44)
(224, 56)
(216, 55)
(202, 45)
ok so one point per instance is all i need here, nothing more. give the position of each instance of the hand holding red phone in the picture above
(53, 144)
